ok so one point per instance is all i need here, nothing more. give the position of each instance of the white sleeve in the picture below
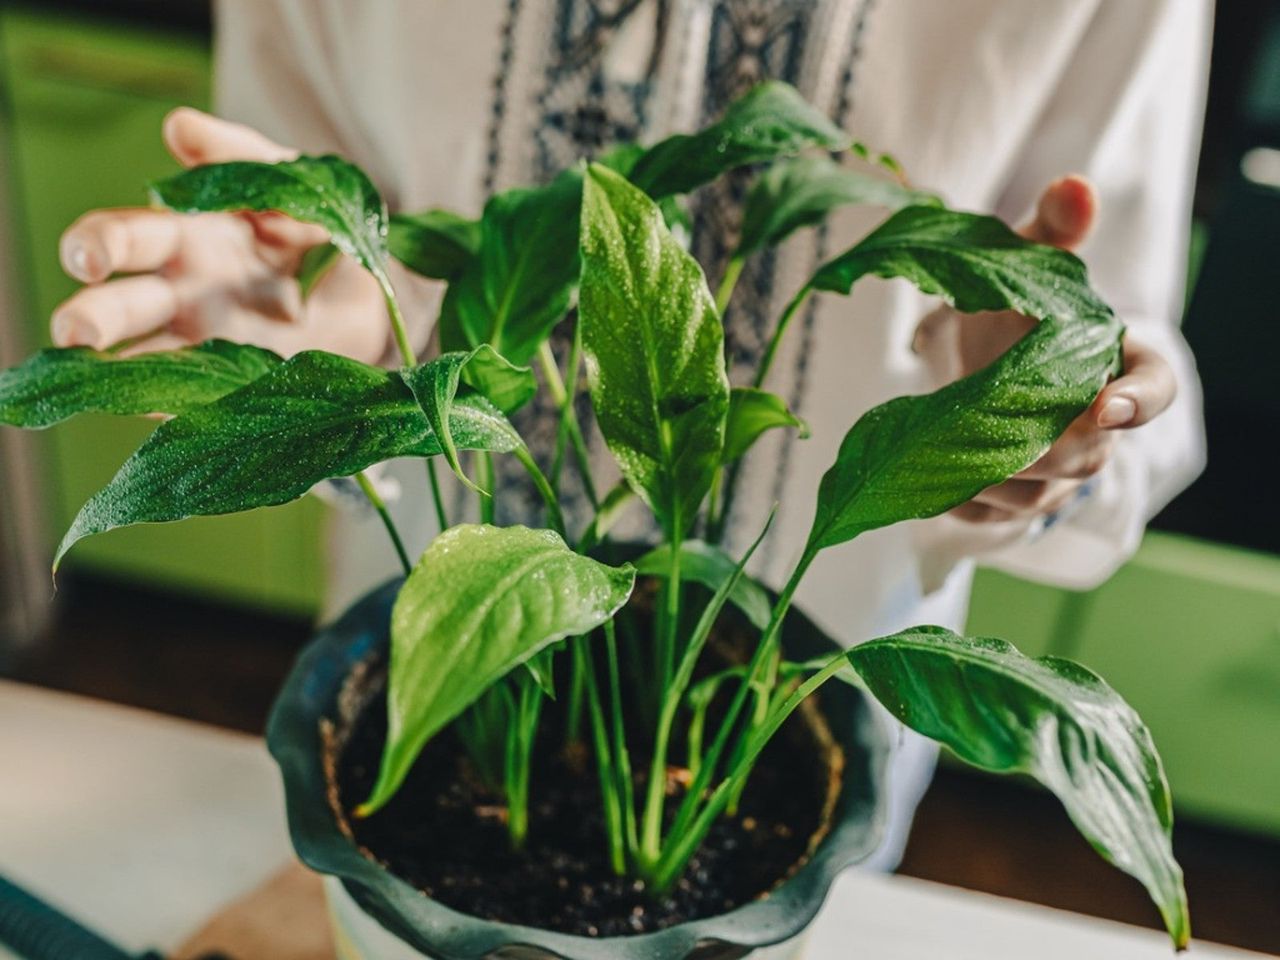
(1127, 114)
(275, 70)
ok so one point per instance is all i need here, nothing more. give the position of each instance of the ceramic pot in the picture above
(377, 915)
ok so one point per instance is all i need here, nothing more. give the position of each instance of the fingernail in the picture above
(70, 331)
(61, 326)
(1116, 412)
(80, 260)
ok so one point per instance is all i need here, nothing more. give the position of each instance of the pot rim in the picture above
(295, 739)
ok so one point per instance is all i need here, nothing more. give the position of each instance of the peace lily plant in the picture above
(496, 627)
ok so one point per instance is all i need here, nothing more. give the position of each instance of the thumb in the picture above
(1065, 213)
(195, 138)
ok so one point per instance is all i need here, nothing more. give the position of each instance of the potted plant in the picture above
(542, 743)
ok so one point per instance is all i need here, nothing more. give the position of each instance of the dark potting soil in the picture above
(445, 834)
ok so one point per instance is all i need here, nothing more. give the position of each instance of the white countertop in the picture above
(141, 826)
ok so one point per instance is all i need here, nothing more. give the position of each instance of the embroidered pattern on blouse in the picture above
(580, 111)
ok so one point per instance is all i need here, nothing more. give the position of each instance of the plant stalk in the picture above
(614, 831)
(561, 397)
(622, 756)
(718, 515)
(554, 516)
(437, 498)
(711, 759)
(687, 842)
(724, 292)
(372, 494)
(485, 477)
(397, 323)
(771, 352)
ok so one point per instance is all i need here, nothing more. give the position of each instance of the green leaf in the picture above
(502, 383)
(436, 383)
(974, 262)
(541, 667)
(54, 385)
(612, 507)
(314, 417)
(752, 412)
(434, 243)
(920, 456)
(771, 121)
(801, 192)
(520, 284)
(654, 348)
(710, 566)
(1051, 719)
(480, 602)
(327, 191)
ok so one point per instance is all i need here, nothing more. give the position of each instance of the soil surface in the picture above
(445, 834)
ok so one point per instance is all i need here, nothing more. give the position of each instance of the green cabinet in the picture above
(84, 102)
(1189, 633)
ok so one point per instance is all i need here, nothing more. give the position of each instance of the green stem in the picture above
(577, 691)
(486, 482)
(718, 515)
(367, 487)
(687, 842)
(524, 711)
(437, 497)
(397, 323)
(672, 697)
(724, 292)
(771, 352)
(554, 516)
(671, 624)
(689, 806)
(614, 832)
(574, 366)
(408, 358)
(561, 397)
(622, 756)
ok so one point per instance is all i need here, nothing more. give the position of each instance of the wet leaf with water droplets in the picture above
(1051, 719)
(327, 191)
(771, 121)
(520, 283)
(312, 418)
(57, 384)
(920, 456)
(434, 243)
(436, 383)
(654, 348)
(753, 412)
(801, 192)
(481, 601)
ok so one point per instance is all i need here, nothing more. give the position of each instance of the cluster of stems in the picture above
(658, 816)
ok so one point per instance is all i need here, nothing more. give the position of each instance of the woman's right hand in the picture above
(188, 277)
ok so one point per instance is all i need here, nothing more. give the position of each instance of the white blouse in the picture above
(983, 101)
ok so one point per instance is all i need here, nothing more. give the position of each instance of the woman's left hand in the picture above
(969, 342)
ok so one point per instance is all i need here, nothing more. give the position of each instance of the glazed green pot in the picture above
(317, 701)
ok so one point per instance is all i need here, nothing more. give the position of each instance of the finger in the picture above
(194, 138)
(167, 340)
(1028, 497)
(1143, 392)
(104, 242)
(102, 316)
(973, 512)
(285, 234)
(1081, 452)
(1065, 213)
